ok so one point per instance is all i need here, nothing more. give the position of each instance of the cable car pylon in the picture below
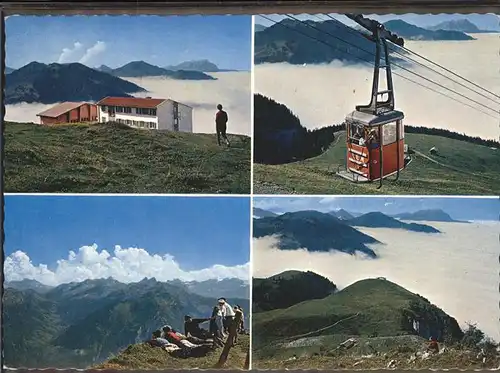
(375, 132)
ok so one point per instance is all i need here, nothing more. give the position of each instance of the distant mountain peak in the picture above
(409, 31)
(342, 214)
(202, 65)
(462, 25)
(262, 213)
(377, 219)
(142, 68)
(427, 215)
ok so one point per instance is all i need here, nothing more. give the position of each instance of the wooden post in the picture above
(247, 361)
(233, 329)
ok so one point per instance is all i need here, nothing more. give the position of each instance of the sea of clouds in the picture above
(322, 95)
(457, 270)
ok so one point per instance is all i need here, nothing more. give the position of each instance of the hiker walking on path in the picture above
(221, 124)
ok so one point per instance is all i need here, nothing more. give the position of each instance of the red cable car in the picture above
(375, 132)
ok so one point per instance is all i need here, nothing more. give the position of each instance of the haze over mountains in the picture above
(462, 25)
(342, 214)
(323, 232)
(52, 83)
(311, 42)
(456, 269)
(40, 322)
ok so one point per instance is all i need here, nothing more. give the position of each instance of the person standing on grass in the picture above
(221, 124)
(228, 313)
(216, 327)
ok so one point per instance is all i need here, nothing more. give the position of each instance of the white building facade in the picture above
(146, 113)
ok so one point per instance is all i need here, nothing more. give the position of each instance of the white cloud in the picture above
(124, 264)
(78, 53)
(69, 54)
(98, 48)
(286, 204)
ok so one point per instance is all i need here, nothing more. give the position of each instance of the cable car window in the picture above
(389, 133)
(401, 129)
(356, 133)
(373, 139)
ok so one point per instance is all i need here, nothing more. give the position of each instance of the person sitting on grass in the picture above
(168, 331)
(189, 349)
(433, 346)
(157, 341)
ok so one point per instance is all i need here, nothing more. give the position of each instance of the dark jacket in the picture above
(221, 118)
(193, 327)
(213, 324)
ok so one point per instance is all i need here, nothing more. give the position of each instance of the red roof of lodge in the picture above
(60, 109)
(146, 103)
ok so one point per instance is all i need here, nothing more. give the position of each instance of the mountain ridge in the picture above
(310, 42)
(359, 298)
(53, 83)
(462, 25)
(193, 286)
(373, 323)
(203, 65)
(411, 32)
(287, 288)
(113, 316)
(380, 220)
(436, 215)
(314, 231)
(262, 213)
(136, 69)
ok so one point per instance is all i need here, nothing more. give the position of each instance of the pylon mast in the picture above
(379, 35)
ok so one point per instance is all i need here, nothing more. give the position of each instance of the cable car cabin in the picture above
(375, 146)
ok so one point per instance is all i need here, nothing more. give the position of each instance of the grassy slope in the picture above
(317, 175)
(450, 359)
(378, 301)
(112, 159)
(279, 341)
(143, 356)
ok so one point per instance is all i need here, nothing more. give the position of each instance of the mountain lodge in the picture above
(148, 113)
(69, 112)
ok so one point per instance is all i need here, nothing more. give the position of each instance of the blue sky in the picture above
(117, 40)
(483, 21)
(458, 208)
(198, 231)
